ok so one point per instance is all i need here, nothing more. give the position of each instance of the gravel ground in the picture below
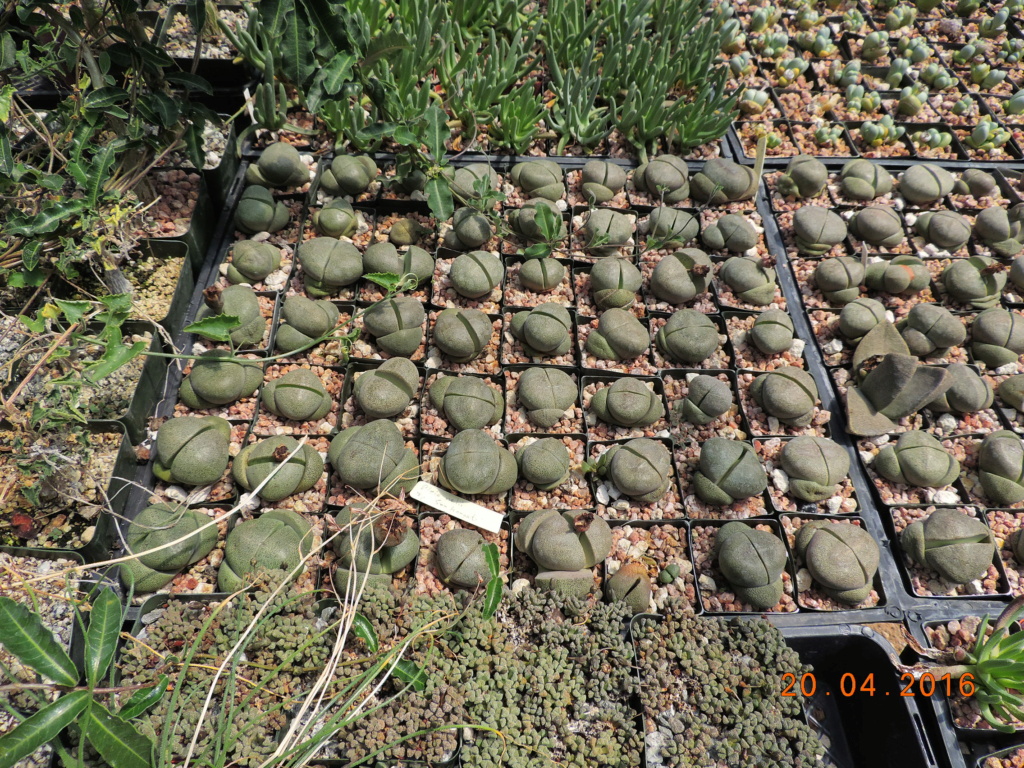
(657, 547)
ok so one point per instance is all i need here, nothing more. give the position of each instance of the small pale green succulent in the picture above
(614, 283)
(878, 225)
(374, 456)
(665, 178)
(958, 546)
(602, 180)
(252, 261)
(967, 392)
(997, 337)
(906, 275)
(681, 276)
(546, 394)
(631, 584)
(863, 180)
(917, 459)
(772, 332)
(706, 399)
(752, 561)
(277, 540)
(544, 463)
(978, 281)
(1001, 467)
(987, 135)
(386, 391)
(462, 334)
(192, 450)
(372, 547)
(385, 257)
(297, 474)
(750, 279)
(729, 471)
(874, 46)
(723, 181)
(912, 99)
(945, 229)
(628, 402)
(881, 133)
(618, 336)
(688, 337)
(544, 331)
(239, 301)
(640, 469)
(336, 219)
(217, 378)
(470, 230)
(933, 138)
(839, 279)
(841, 557)
(460, 558)
(860, 316)
(299, 395)
(467, 402)
(732, 232)
(475, 274)
(1011, 391)
(328, 265)
(1003, 232)
(787, 393)
(348, 175)
(817, 230)
(303, 321)
(279, 165)
(541, 275)
(671, 227)
(930, 330)
(859, 100)
(157, 526)
(923, 184)
(540, 178)
(475, 464)
(805, 176)
(396, 324)
(607, 232)
(815, 465)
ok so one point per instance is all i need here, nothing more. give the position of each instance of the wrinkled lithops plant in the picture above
(158, 526)
(978, 281)
(787, 393)
(817, 230)
(943, 229)
(618, 336)
(239, 301)
(470, 230)
(728, 471)
(1011, 391)
(336, 219)
(605, 232)
(732, 232)
(930, 329)
(475, 274)
(805, 176)
(917, 459)
(1001, 467)
(258, 211)
(372, 547)
(396, 324)
(385, 392)
(614, 283)
(539, 178)
(967, 392)
(640, 469)
(859, 317)
(772, 332)
(192, 450)
(466, 402)
(545, 394)
(1002, 231)
(752, 561)
(627, 402)
(460, 558)
(839, 279)
(252, 261)
(217, 378)
(544, 331)
(706, 399)
(532, 224)
(328, 265)
(541, 275)
(602, 180)
(631, 584)
(750, 279)
(903, 275)
(681, 276)
(926, 183)
(348, 175)
(277, 540)
(279, 165)
(297, 474)
(665, 178)
(878, 225)
(724, 181)
(475, 464)
(374, 456)
(671, 227)
(997, 337)
(958, 546)
(841, 557)
(299, 395)
(863, 180)
(385, 257)
(815, 466)
(303, 321)
(544, 463)
(462, 334)
(688, 336)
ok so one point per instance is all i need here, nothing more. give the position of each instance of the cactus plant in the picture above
(466, 402)
(374, 456)
(386, 391)
(545, 394)
(475, 464)
(841, 557)
(958, 546)
(544, 331)
(192, 450)
(688, 336)
(156, 526)
(917, 459)
(217, 378)
(255, 462)
(815, 465)
(627, 402)
(752, 561)
(276, 540)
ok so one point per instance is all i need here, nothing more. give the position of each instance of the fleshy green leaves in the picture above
(144, 698)
(101, 637)
(386, 280)
(495, 587)
(22, 634)
(216, 328)
(41, 727)
(118, 743)
(409, 673)
(363, 629)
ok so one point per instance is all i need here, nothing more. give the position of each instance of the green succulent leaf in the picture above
(101, 637)
(118, 743)
(538, 251)
(363, 629)
(493, 563)
(45, 725)
(384, 46)
(437, 132)
(23, 635)
(143, 699)
(216, 328)
(492, 598)
(408, 672)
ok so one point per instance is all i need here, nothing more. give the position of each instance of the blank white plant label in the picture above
(442, 501)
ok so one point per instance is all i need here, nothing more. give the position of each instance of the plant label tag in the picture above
(451, 504)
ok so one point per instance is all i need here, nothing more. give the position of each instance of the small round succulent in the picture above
(752, 561)
(328, 265)
(545, 394)
(749, 278)
(967, 392)
(303, 321)
(217, 378)
(930, 329)
(475, 274)
(470, 230)
(926, 183)
(386, 391)
(860, 316)
(903, 275)
(396, 324)
(192, 450)
(723, 181)
(1001, 467)
(817, 230)
(157, 526)
(977, 183)
(539, 178)
(374, 456)
(406, 231)
(605, 232)
(815, 465)
(787, 393)
(958, 546)
(944, 229)
(628, 402)
(706, 399)
(631, 584)
(614, 283)
(467, 402)
(1003, 232)
(772, 332)
(541, 275)
(682, 276)
(672, 227)
(299, 395)
(805, 176)
(348, 175)
(640, 469)
(279, 165)
(732, 232)
(297, 474)
(1011, 391)
(664, 178)
(241, 302)
(863, 180)
(385, 257)
(997, 337)
(878, 225)
(462, 334)
(544, 463)
(688, 336)
(475, 464)
(528, 221)
(252, 261)
(460, 558)
(841, 557)
(1016, 544)
(978, 281)
(336, 219)
(728, 471)
(544, 331)
(601, 180)
(839, 279)
(618, 336)
(917, 459)
(372, 547)
(277, 540)
(467, 181)
(258, 211)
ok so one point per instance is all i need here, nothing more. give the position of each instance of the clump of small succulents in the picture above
(881, 133)
(841, 557)
(958, 546)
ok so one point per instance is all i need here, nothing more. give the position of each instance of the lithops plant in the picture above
(1002, 231)
(665, 178)
(279, 165)
(977, 183)
(997, 337)
(544, 463)
(841, 557)
(897, 387)
(462, 334)
(328, 265)
(863, 180)
(541, 275)
(470, 230)
(878, 225)
(706, 399)
(752, 561)
(805, 176)
(239, 301)
(732, 232)
(299, 395)
(859, 317)
(930, 330)
(277, 540)
(466, 402)
(967, 392)
(724, 181)
(374, 456)
(1001, 467)
(407, 231)
(772, 332)
(303, 321)
(728, 471)
(297, 474)
(1011, 391)
(396, 325)
(815, 466)
(468, 182)
(903, 275)
(601, 181)
(155, 527)
(923, 184)
(258, 211)
(252, 261)
(336, 219)
(631, 584)
(372, 546)
(682, 276)
(1016, 544)
(385, 257)
(688, 336)
(671, 227)
(943, 229)
(640, 469)
(839, 279)
(544, 331)
(539, 178)
(475, 274)
(475, 464)
(917, 459)
(385, 392)
(460, 558)
(978, 281)
(192, 450)
(628, 402)
(817, 230)
(348, 175)
(217, 379)
(545, 394)
(958, 546)
(606, 232)
(787, 393)
(538, 221)
(750, 279)
(614, 283)
(618, 336)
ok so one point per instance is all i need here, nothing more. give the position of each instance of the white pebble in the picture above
(890, 316)
(880, 440)
(833, 347)
(691, 376)
(947, 423)
(176, 492)
(602, 494)
(946, 497)
(910, 218)
(562, 205)
(1004, 370)
(834, 505)
(796, 349)
(433, 362)
(803, 580)
(519, 585)
(867, 457)
(780, 480)
(705, 582)
(614, 492)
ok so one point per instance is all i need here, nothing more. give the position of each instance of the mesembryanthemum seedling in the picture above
(750, 278)
(192, 450)
(299, 395)
(917, 459)
(772, 332)
(544, 331)
(157, 526)
(386, 391)
(372, 546)
(688, 336)
(277, 540)
(863, 180)
(475, 464)
(997, 337)
(665, 178)
(258, 211)
(279, 165)
(384, 257)
(839, 279)
(475, 274)
(546, 394)
(328, 265)
(817, 230)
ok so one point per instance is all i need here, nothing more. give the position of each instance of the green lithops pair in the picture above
(863, 180)
(328, 265)
(1001, 230)
(192, 450)
(155, 527)
(541, 275)
(631, 584)
(544, 463)
(750, 278)
(787, 393)
(601, 181)
(1001, 467)
(606, 233)
(978, 281)
(930, 330)
(277, 540)
(386, 391)
(297, 474)
(461, 559)
(1011, 391)
(396, 325)
(614, 283)
(923, 184)
(539, 178)
(538, 221)
(968, 392)
(917, 459)
(671, 227)
(958, 546)
(565, 545)
(815, 466)
(470, 230)
(706, 399)
(252, 261)
(805, 176)
(279, 165)
(466, 402)
(545, 394)
(997, 337)
(877, 225)
(841, 557)
(544, 331)
(627, 402)
(728, 471)
(475, 274)
(411, 260)
(239, 301)
(348, 175)
(462, 334)
(618, 336)
(474, 464)
(859, 317)
(374, 456)
(839, 279)
(772, 332)
(724, 181)
(665, 178)
(752, 561)
(218, 379)
(682, 276)
(903, 275)
(303, 321)
(336, 219)
(817, 230)
(299, 395)
(944, 229)
(371, 547)
(258, 211)
(732, 232)
(640, 469)
(688, 337)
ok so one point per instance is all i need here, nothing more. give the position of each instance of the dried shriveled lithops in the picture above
(279, 165)
(787, 393)
(917, 459)
(466, 402)
(217, 378)
(640, 469)
(396, 324)
(752, 561)
(682, 276)
(374, 456)
(385, 392)
(706, 399)
(815, 465)
(958, 546)
(627, 402)
(546, 394)
(304, 321)
(688, 336)
(328, 265)
(544, 331)
(192, 450)
(729, 471)
(475, 464)
(841, 557)
(297, 474)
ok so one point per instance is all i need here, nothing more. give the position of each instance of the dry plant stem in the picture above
(35, 369)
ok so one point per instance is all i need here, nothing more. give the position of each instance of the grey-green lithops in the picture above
(903, 275)
(564, 540)
(374, 456)
(997, 337)
(839, 279)
(192, 450)
(544, 463)
(860, 316)
(967, 392)
(841, 557)
(336, 219)
(688, 337)
(468, 181)
(944, 229)
(328, 265)
(372, 547)
(917, 459)
(618, 336)
(541, 275)
(631, 584)
(752, 561)
(348, 175)
(671, 227)
(1002, 231)
(279, 165)
(722, 181)
(863, 180)
(895, 387)
(258, 211)
(665, 178)
(960, 547)
(682, 276)
(157, 526)
(817, 230)
(1001, 467)
(299, 395)
(470, 230)
(475, 274)
(628, 402)
(601, 180)
(475, 464)
(545, 394)
(614, 283)
(805, 176)
(706, 399)
(239, 301)
(466, 402)
(255, 462)
(539, 220)
(462, 334)
(787, 393)
(544, 331)
(1011, 391)
(815, 465)
(640, 469)
(978, 281)
(412, 260)
(277, 540)
(978, 183)
(303, 321)
(772, 332)
(607, 232)
(877, 225)
(217, 379)
(728, 471)
(252, 261)
(539, 178)
(396, 325)
(750, 279)
(926, 183)
(460, 558)
(930, 329)
(386, 391)
(732, 232)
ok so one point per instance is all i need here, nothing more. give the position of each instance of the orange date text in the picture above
(850, 685)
